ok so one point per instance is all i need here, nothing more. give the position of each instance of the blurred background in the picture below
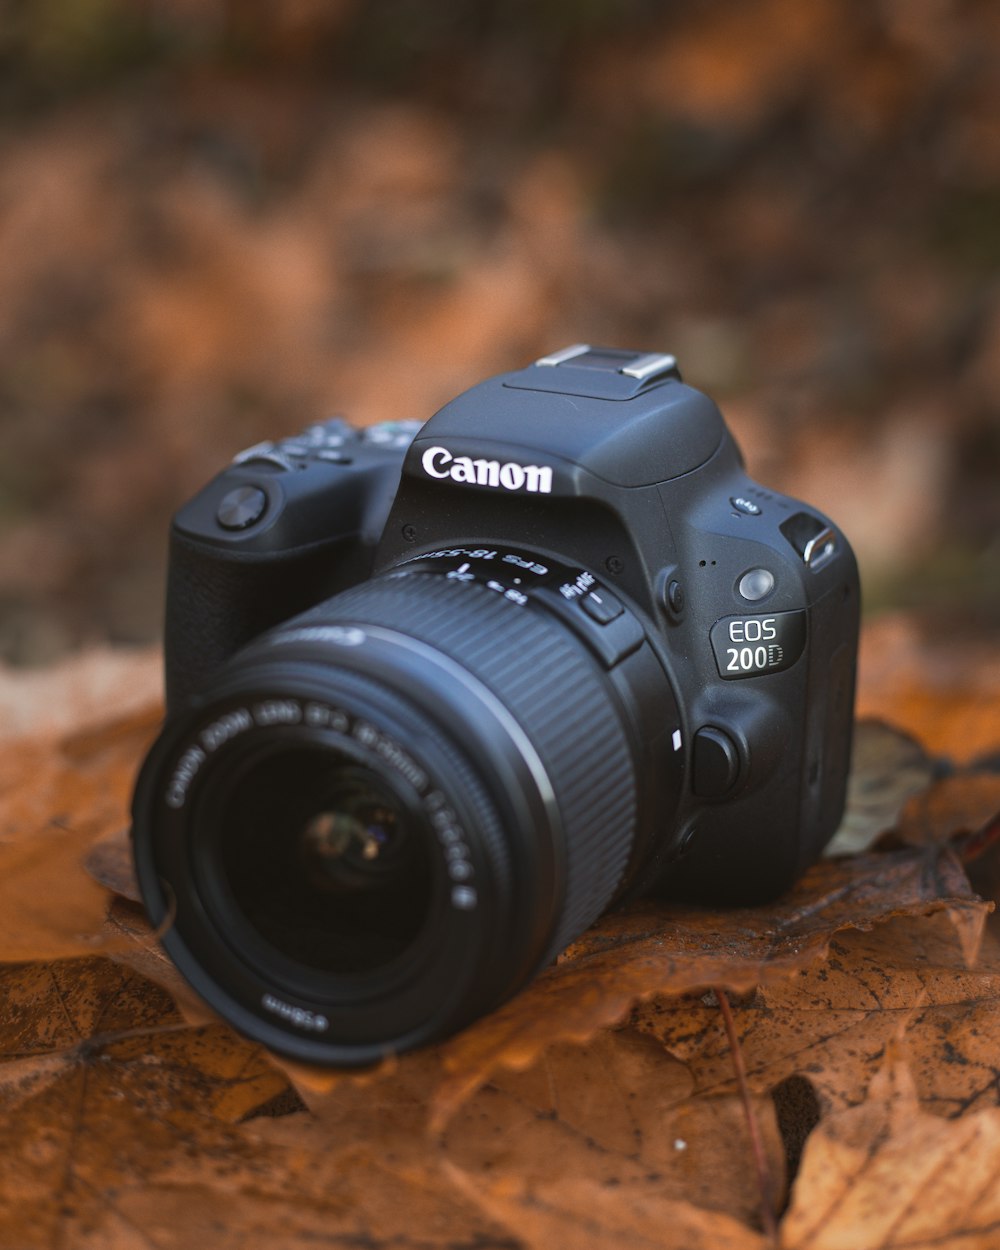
(222, 219)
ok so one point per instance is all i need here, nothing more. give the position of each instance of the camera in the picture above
(440, 694)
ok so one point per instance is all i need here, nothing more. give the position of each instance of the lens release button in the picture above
(601, 606)
(241, 508)
(716, 763)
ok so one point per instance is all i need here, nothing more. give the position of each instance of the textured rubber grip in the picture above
(559, 695)
(219, 600)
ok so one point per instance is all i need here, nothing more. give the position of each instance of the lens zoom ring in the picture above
(558, 694)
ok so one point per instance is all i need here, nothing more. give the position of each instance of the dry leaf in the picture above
(615, 1118)
(947, 696)
(78, 691)
(651, 949)
(585, 1215)
(120, 1128)
(885, 1175)
(962, 804)
(622, 1114)
(888, 767)
(832, 1022)
(58, 798)
(101, 1087)
(124, 1120)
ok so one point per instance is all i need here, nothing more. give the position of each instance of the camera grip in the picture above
(219, 599)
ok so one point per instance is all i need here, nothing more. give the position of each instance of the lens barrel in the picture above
(381, 819)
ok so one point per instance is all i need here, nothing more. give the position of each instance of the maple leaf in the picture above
(885, 1175)
(617, 1116)
(653, 949)
(101, 1085)
(587, 1215)
(831, 1023)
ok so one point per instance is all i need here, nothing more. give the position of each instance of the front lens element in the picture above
(324, 861)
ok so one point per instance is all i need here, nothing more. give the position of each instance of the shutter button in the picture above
(241, 508)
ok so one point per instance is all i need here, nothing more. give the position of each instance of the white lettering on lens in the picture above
(339, 635)
(277, 712)
(295, 1015)
(440, 463)
(227, 726)
(184, 774)
(456, 853)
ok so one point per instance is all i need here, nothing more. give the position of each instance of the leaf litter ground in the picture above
(598, 1108)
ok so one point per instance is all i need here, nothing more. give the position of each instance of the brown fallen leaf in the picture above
(110, 863)
(947, 696)
(885, 1175)
(651, 949)
(100, 1084)
(832, 1022)
(128, 1139)
(966, 808)
(535, 1108)
(123, 1127)
(78, 690)
(120, 1126)
(586, 1215)
(129, 940)
(961, 804)
(57, 798)
(888, 767)
(616, 1116)
(620, 1113)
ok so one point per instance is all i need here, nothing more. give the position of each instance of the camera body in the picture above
(594, 499)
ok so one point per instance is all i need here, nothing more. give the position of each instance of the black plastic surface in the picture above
(716, 763)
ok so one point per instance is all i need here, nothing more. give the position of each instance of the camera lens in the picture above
(381, 819)
(319, 863)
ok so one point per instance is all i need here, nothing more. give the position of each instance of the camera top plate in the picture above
(621, 416)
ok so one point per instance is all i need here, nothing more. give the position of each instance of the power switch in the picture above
(716, 763)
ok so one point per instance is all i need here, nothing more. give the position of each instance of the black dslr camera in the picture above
(441, 694)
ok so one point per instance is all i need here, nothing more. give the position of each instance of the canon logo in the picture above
(439, 462)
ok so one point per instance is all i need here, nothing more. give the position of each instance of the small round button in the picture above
(746, 506)
(756, 584)
(241, 508)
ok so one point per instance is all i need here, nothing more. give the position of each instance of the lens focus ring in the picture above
(548, 681)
